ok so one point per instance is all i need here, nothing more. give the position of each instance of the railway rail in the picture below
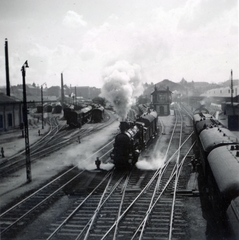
(21, 213)
(57, 138)
(131, 205)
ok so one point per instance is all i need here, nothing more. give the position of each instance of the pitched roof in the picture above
(160, 89)
(6, 99)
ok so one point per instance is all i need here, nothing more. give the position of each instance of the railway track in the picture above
(131, 205)
(57, 138)
(13, 219)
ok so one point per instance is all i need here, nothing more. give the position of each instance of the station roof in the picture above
(8, 99)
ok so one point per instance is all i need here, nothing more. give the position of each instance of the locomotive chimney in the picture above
(7, 69)
(124, 126)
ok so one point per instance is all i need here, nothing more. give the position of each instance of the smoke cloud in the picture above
(83, 156)
(153, 162)
(122, 84)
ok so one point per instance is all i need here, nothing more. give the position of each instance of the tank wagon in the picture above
(219, 156)
(132, 139)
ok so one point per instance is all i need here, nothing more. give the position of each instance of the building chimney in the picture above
(7, 69)
(62, 90)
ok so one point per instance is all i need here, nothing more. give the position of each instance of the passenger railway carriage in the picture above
(219, 156)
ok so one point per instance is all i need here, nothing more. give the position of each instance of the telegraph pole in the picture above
(42, 116)
(27, 145)
(231, 89)
(7, 68)
(62, 91)
(232, 93)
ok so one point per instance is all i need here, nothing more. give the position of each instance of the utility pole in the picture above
(7, 68)
(75, 97)
(42, 116)
(232, 93)
(27, 145)
(62, 90)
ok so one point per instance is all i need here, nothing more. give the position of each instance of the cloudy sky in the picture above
(194, 39)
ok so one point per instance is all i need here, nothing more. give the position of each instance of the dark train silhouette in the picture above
(57, 107)
(97, 114)
(132, 139)
(219, 156)
(50, 108)
(77, 116)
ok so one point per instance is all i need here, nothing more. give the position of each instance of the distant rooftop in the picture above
(6, 99)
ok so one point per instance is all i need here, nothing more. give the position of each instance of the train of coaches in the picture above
(218, 150)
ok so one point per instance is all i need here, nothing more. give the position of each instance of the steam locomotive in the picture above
(219, 156)
(132, 139)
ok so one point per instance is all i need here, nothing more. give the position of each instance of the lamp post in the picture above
(42, 116)
(27, 145)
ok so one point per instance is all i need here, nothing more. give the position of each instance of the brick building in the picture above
(10, 113)
(161, 99)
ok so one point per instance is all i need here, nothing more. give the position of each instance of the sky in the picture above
(192, 39)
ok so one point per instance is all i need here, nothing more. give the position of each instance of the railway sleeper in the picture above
(156, 230)
(188, 193)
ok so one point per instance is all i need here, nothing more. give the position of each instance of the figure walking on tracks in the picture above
(2, 152)
(97, 163)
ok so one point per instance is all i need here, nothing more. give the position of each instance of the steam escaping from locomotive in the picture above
(153, 162)
(122, 85)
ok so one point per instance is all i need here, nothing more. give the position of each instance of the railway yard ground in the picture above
(15, 186)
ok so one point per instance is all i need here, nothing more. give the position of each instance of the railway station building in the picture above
(161, 99)
(10, 113)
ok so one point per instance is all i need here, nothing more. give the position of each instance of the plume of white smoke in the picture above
(122, 84)
(83, 155)
(153, 162)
